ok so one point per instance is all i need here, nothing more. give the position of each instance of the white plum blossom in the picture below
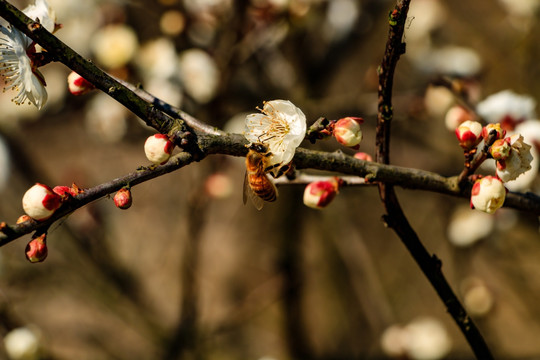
(200, 74)
(17, 58)
(281, 126)
(518, 162)
(508, 108)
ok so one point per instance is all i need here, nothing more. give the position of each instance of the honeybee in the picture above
(257, 186)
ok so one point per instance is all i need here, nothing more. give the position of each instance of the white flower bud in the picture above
(319, 194)
(78, 85)
(40, 202)
(347, 131)
(158, 148)
(488, 194)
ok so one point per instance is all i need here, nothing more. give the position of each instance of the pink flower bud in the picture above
(122, 199)
(500, 133)
(488, 194)
(469, 134)
(36, 250)
(78, 85)
(158, 148)
(500, 149)
(319, 194)
(347, 131)
(40, 202)
(363, 156)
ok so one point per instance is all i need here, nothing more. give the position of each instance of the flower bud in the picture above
(319, 194)
(158, 148)
(347, 131)
(500, 149)
(363, 156)
(40, 202)
(122, 199)
(469, 134)
(78, 85)
(489, 128)
(22, 218)
(488, 194)
(36, 250)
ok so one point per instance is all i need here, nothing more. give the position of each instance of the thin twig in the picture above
(395, 218)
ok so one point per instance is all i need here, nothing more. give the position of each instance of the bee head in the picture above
(259, 147)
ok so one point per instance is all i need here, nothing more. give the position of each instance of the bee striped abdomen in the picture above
(262, 186)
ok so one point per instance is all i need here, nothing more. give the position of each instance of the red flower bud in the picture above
(469, 134)
(36, 250)
(78, 85)
(319, 194)
(122, 199)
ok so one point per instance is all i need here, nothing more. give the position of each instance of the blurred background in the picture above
(189, 272)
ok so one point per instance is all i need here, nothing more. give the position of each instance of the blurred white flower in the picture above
(114, 45)
(427, 339)
(424, 338)
(455, 60)
(199, 74)
(23, 343)
(341, 16)
(467, 226)
(281, 126)
(106, 119)
(508, 108)
(157, 58)
(477, 297)
(524, 8)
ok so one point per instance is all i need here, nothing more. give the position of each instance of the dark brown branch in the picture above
(395, 218)
(234, 145)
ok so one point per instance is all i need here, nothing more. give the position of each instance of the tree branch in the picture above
(395, 218)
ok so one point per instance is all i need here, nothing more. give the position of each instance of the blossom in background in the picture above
(281, 126)
(507, 108)
(421, 339)
(18, 64)
(469, 134)
(488, 194)
(199, 74)
(114, 45)
(517, 162)
(23, 343)
(456, 116)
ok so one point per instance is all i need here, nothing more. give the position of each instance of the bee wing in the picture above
(248, 192)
